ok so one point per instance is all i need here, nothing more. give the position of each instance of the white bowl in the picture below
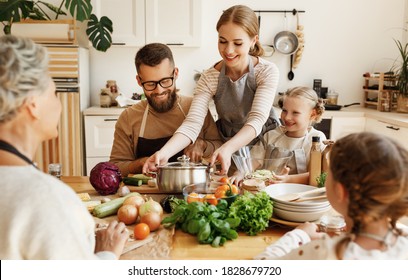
(299, 216)
(301, 208)
(276, 190)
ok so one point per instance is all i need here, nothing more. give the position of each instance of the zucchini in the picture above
(136, 180)
(110, 207)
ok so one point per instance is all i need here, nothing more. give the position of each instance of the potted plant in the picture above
(98, 31)
(402, 78)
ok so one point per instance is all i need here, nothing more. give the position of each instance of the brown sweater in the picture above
(158, 125)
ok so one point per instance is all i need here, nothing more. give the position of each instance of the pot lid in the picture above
(183, 162)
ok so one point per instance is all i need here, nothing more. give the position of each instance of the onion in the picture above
(150, 206)
(135, 201)
(152, 219)
(127, 214)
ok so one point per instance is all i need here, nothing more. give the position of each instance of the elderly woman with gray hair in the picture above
(42, 218)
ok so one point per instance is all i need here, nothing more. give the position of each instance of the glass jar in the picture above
(332, 98)
(54, 169)
(113, 91)
(105, 99)
(332, 224)
(112, 86)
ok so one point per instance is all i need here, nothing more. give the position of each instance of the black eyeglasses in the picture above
(164, 83)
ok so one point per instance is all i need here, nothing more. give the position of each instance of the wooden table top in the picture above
(185, 246)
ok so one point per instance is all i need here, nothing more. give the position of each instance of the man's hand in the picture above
(196, 151)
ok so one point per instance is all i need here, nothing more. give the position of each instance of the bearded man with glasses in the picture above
(145, 127)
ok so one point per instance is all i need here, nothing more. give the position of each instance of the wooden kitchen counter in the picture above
(185, 246)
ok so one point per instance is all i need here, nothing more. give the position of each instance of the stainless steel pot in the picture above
(174, 176)
(286, 42)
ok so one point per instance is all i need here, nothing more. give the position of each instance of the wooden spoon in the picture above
(296, 196)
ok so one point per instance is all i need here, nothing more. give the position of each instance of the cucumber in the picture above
(110, 207)
(136, 180)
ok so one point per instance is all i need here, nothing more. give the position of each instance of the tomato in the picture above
(219, 193)
(224, 180)
(192, 197)
(234, 189)
(211, 199)
(141, 231)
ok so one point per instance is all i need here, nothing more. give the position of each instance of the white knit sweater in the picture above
(42, 218)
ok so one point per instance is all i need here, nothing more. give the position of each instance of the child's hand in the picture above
(312, 230)
(282, 178)
(237, 178)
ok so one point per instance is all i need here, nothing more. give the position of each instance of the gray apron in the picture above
(233, 101)
(298, 163)
(147, 147)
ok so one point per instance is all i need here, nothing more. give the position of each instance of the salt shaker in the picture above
(54, 169)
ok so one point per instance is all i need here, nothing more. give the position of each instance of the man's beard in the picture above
(165, 106)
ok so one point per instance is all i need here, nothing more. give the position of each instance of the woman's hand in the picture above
(312, 230)
(222, 155)
(112, 239)
(153, 161)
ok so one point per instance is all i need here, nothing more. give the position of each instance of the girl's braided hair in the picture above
(374, 171)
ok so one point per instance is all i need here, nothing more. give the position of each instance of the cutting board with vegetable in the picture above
(132, 243)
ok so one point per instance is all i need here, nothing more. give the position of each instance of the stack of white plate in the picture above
(302, 211)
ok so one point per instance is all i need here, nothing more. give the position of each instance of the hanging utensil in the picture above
(286, 42)
(291, 75)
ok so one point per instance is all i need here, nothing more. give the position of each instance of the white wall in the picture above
(344, 39)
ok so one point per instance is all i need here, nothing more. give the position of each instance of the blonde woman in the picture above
(242, 85)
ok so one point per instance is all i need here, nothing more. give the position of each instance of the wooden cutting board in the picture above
(132, 243)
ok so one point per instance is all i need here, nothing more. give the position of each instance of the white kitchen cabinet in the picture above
(99, 133)
(342, 126)
(174, 22)
(128, 18)
(396, 132)
(139, 22)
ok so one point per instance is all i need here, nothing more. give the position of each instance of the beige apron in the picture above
(147, 147)
(298, 163)
(233, 101)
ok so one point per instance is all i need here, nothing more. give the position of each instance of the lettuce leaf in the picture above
(254, 211)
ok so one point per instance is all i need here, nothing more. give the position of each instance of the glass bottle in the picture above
(315, 164)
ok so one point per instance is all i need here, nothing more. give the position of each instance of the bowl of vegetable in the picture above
(202, 193)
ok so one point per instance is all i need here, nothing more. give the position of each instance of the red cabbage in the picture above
(105, 178)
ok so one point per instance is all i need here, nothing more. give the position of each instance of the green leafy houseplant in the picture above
(98, 31)
(402, 78)
(402, 71)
